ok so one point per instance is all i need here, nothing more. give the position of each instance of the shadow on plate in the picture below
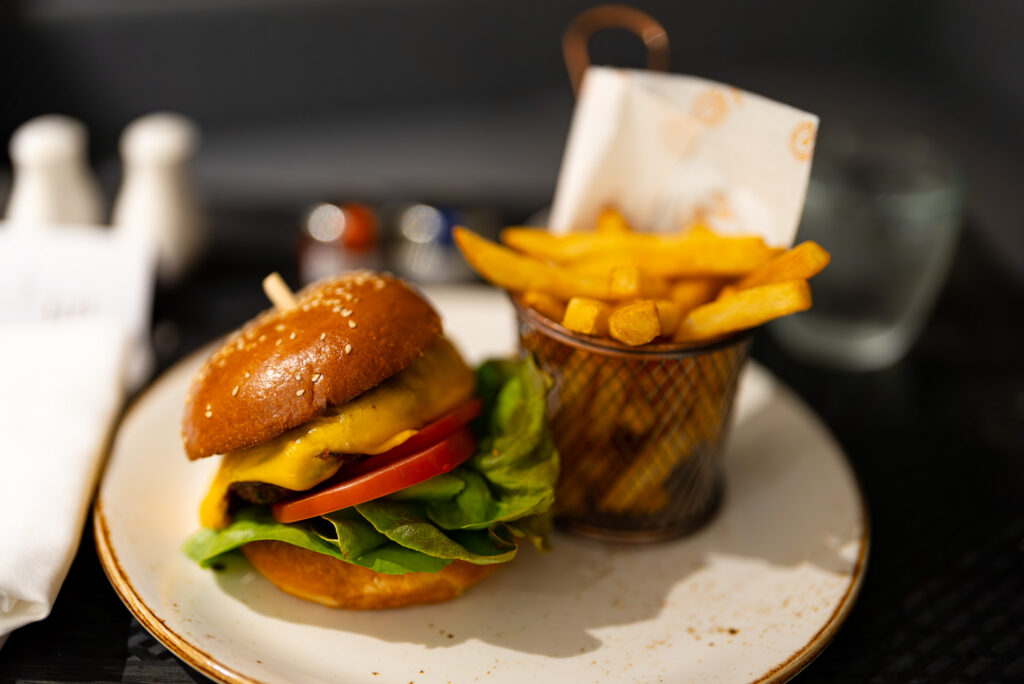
(785, 506)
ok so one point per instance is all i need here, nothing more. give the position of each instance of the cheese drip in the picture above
(374, 422)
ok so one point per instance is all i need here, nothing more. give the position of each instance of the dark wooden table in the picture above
(937, 442)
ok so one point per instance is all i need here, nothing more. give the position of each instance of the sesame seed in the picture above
(351, 323)
(300, 392)
(348, 348)
(208, 407)
(279, 327)
(262, 337)
(346, 312)
(298, 376)
(316, 378)
(336, 309)
(323, 335)
(292, 336)
(209, 414)
(246, 373)
(277, 343)
(234, 392)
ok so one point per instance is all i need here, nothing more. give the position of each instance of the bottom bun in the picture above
(316, 577)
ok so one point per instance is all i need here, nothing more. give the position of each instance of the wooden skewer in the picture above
(278, 292)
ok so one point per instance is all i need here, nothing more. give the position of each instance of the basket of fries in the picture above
(668, 241)
(639, 430)
(644, 337)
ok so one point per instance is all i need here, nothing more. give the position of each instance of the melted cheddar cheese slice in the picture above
(375, 421)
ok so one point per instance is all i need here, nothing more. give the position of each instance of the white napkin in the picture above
(667, 150)
(48, 271)
(74, 320)
(62, 387)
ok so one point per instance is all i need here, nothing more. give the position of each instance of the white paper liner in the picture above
(668, 150)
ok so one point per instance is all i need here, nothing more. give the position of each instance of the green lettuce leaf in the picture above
(473, 513)
(355, 541)
(388, 537)
(407, 525)
(256, 524)
(513, 473)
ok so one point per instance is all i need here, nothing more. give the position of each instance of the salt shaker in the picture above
(52, 179)
(157, 200)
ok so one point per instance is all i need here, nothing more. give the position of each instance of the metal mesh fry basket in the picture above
(639, 431)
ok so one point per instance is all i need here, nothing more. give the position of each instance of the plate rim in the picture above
(211, 667)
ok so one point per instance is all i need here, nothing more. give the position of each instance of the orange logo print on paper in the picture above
(678, 133)
(801, 143)
(710, 107)
(717, 209)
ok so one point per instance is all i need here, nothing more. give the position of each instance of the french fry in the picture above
(649, 382)
(692, 292)
(645, 474)
(744, 309)
(605, 405)
(670, 442)
(519, 273)
(545, 304)
(695, 253)
(653, 286)
(570, 399)
(698, 229)
(611, 221)
(636, 415)
(635, 324)
(648, 501)
(669, 315)
(590, 424)
(624, 282)
(587, 316)
(800, 263)
(631, 282)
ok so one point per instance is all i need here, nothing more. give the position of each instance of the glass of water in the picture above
(889, 208)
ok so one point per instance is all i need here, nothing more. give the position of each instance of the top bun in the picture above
(284, 368)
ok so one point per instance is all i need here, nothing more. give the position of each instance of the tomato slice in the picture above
(430, 434)
(405, 472)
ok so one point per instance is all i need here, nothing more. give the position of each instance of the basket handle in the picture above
(586, 24)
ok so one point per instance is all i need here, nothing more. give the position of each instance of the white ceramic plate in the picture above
(753, 597)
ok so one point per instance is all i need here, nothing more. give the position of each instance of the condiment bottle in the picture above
(157, 199)
(53, 183)
(338, 238)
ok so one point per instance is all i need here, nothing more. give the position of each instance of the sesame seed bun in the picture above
(315, 577)
(284, 368)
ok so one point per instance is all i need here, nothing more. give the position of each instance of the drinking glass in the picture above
(888, 207)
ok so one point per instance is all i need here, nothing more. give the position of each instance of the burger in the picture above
(363, 463)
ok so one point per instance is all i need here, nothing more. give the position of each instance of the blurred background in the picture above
(464, 106)
(406, 117)
(467, 103)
